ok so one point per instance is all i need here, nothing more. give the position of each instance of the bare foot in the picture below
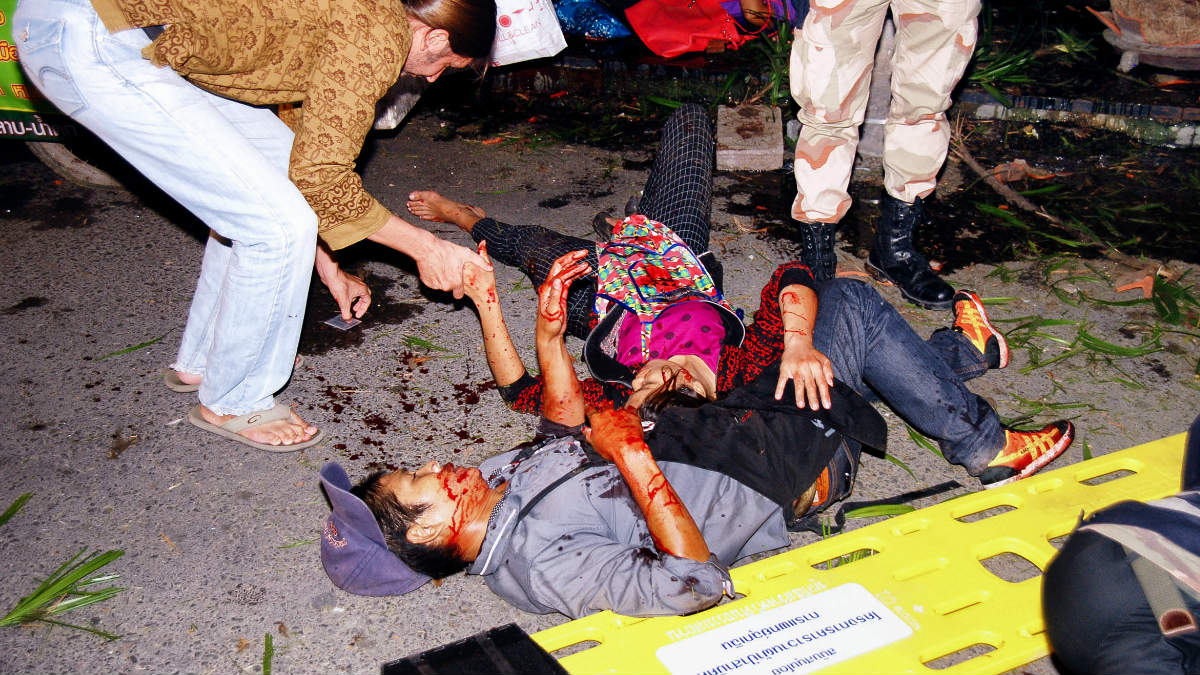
(279, 432)
(430, 205)
(189, 378)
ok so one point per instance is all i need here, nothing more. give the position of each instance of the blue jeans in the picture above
(225, 161)
(875, 351)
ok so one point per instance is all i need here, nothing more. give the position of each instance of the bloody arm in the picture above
(810, 369)
(479, 284)
(562, 396)
(617, 436)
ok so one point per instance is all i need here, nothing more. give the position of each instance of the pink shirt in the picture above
(692, 327)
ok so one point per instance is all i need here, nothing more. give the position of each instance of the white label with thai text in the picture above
(803, 636)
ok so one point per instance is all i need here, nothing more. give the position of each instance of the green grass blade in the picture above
(665, 102)
(923, 442)
(141, 345)
(996, 94)
(1061, 357)
(64, 581)
(880, 510)
(1037, 322)
(1047, 189)
(1095, 344)
(83, 600)
(14, 507)
(268, 654)
(414, 341)
(40, 595)
(1002, 214)
(895, 460)
(87, 629)
(1053, 338)
(1128, 384)
(1087, 451)
(1065, 242)
(1115, 303)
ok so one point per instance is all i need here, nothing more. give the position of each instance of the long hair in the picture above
(667, 396)
(470, 23)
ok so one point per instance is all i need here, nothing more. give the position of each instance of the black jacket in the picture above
(768, 445)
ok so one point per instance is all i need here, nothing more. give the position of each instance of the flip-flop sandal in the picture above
(231, 428)
(171, 378)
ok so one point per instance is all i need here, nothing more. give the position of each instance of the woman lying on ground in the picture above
(182, 89)
(856, 337)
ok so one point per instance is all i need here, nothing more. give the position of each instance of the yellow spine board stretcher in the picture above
(927, 569)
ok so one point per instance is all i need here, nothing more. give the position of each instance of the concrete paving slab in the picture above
(749, 138)
(220, 540)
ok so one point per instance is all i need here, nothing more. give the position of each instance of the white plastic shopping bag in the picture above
(526, 29)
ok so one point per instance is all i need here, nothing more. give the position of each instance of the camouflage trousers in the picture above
(833, 54)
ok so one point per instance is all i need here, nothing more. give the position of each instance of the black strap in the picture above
(153, 32)
(550, 488)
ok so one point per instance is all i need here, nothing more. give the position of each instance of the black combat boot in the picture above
(818, 253)
(893, 258)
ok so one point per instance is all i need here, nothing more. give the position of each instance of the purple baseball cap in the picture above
(353, 550)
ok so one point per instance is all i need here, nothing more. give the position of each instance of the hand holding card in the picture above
(341, 324)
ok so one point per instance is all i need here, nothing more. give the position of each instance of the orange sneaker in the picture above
(971, 320)
(1025, 452)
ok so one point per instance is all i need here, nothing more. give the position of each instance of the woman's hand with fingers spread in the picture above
(552, 296)
(810, 371)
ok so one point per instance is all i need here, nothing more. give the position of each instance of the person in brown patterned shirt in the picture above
(184, 89)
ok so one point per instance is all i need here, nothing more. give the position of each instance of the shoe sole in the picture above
(879, 275)
(1047, 457)
(1002, 343)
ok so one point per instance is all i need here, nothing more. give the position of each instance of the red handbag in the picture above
(673, 27)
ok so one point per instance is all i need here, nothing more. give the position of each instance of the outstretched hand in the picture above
(441, 267)
(552, 296)
(812, 374)
(611, 430)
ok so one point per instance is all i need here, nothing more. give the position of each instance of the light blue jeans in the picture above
(223, 160)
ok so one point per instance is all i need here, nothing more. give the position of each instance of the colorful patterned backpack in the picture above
(646, 268)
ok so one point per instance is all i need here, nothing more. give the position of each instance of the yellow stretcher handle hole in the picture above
(1011, 567)
(960, 656)
(845, 559)
(1107, 477)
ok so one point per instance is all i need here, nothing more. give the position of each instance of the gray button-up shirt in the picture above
(585, 546)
